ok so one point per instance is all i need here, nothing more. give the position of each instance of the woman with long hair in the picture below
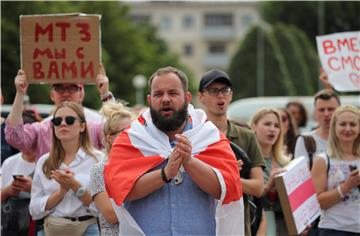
(336, 175)
(289, 131)
(298, 111)
(60, 187)
(117, 118)
(266, 124)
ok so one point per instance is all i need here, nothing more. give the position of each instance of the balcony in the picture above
(218, 33)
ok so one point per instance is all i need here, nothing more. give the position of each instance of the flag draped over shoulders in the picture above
(142, 147)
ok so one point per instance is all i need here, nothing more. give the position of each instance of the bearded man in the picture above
(172, 172)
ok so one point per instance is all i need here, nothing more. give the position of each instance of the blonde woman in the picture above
(266, 124)
(117, 118)
(336, 175)
(60, 190)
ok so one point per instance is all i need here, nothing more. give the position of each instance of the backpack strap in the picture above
(310, 146)
(328, 164)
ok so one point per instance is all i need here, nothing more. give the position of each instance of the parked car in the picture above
(243, 109)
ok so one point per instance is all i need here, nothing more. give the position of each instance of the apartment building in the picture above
(204, 34)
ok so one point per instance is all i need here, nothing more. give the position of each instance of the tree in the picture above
(289, 63)
(127, 49)
(338, 16)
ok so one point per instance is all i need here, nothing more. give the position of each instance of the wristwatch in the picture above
(80, 192)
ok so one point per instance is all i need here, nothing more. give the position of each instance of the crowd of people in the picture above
(171, 169)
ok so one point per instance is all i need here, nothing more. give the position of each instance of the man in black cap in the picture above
(215, 94)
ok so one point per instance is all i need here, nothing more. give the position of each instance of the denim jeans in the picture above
(333, 232)
(92, 230)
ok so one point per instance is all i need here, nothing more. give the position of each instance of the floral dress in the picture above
(98, 186)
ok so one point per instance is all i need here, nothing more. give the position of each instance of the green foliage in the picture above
(289, 63)
(339, 16)
(127, 49)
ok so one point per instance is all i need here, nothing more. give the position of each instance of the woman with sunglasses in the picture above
(336, 175)
(266, 124)
(117, 119)
(60, 187)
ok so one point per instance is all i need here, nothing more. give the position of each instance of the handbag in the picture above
(15, 215)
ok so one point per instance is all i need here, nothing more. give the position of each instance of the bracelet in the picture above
(163, 176)
(107, 96)
(340, 192)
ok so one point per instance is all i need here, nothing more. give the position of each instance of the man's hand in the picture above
(173, 165)
(184, 147)
(21, 83)
(324, 79)
(102, 81)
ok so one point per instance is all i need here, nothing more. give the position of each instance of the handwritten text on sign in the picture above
(340, 57)
(60, 48)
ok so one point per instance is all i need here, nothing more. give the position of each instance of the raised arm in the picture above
(17, 134)
(21, 85)
(102, 84)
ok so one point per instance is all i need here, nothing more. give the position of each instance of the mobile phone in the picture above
(352, 167)
(17, 176)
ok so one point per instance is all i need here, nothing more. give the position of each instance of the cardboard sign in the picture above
(340, 57)
(297, 196)
(60, 48)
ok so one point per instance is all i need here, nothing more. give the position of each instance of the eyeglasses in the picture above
(71, 88)
(69, 120)
(215, 91)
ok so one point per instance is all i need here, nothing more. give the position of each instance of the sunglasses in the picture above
(69, 120)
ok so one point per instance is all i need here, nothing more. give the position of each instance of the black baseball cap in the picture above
(213, 75)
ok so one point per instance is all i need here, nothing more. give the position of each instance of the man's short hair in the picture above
(182, 76)
(326, 94)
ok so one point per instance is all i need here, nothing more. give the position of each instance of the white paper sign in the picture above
(297, 195)
(340, 57)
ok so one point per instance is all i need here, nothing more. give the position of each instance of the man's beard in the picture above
(170, 123)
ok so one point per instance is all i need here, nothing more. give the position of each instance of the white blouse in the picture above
(70, 205)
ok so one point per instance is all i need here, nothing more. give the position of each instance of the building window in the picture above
(246, 20)
(165, 22)
(217, 48)
(215, 20)
(140, 19)
(188, 50)
(188, 22)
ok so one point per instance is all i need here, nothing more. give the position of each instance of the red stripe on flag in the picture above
(221, 156)
(301, 194)
(126, 164)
